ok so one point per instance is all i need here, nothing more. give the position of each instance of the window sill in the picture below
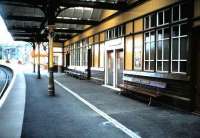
(172, 76)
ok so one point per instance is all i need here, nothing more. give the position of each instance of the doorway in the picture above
(196, 44)
(114, 67)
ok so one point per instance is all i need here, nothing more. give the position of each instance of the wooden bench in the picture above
(78, 73)
(142, 86)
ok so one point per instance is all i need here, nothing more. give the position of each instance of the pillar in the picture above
(33, 57)
(51, 88)
(38, 74)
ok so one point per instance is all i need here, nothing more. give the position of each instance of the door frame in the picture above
(112, 45)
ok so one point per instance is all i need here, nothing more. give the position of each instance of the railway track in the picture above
(5, 77)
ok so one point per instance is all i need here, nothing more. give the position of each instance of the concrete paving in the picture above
(66, 116)
(12, 110)
(61, 116)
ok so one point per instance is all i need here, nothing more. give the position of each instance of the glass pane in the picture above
(147, 37)
(167, 17)
(174, 66)
(146, 22)
(160, 18)
(153, 20)
(175, 48)
(183, 48)
(152, 36)
(159, 66)
(147, 49)
(165, 66)
(159, 50)
(152, 52)
(146, 65)
(166, 49)
(159, 35)
(175, 31)
(184, 11)
(116, 32)
(184, 29)
(176, 13)
(166, 33)
(152, 65)
(183, 66)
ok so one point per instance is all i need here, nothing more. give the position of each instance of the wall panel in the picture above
(129, 28)
(138, 50)
(129, 53)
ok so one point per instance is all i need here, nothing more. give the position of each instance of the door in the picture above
(110, 67)
(196, 44)
(120, 66)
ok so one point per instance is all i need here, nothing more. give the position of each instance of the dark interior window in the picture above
(184, 11)
(175, 31)
(160, 18)
(159, 50)
(175, 49)
(176, 13)
(147, 22)
(166, 49)
(167, 18)
(183, 48)
(183, 66)
(153, 20)
(184, 29)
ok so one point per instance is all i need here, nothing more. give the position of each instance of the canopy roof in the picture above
(26, 18)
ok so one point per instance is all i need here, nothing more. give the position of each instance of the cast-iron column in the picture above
(38, 75)
(33, 57)
(51, 89)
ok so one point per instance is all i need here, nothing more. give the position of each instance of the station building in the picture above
(154, 46)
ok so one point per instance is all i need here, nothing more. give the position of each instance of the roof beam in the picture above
(94, 4)
(58, 20)
(35, 29)
(10, 3)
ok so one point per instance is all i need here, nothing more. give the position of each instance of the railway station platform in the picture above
(83, 109)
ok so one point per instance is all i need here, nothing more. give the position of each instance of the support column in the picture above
(38, 75)
(33, 57)
(51, 88)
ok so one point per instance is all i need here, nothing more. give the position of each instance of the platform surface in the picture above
(66, 116)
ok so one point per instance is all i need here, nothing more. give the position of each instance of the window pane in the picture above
(153, 20)
(152, 65)
(183, 48)
(146, 65)
(175, 31)
(183, 66)
(175, 49)
(159, 50)
(166, 49)
(159, 35)
(147, 49)
(159, 66)
(167, 17)
(165, 66)
(184, 29)
(116, 32)
(146, 22)
(184, 11)
(152, 36)
(174, 66)
(147, 37)
(160, 18)
(176, 13)
(166, 33)
(152, 52)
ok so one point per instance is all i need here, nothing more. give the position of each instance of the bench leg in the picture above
(150, 99)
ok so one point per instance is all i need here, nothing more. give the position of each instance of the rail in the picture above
(6, 76)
